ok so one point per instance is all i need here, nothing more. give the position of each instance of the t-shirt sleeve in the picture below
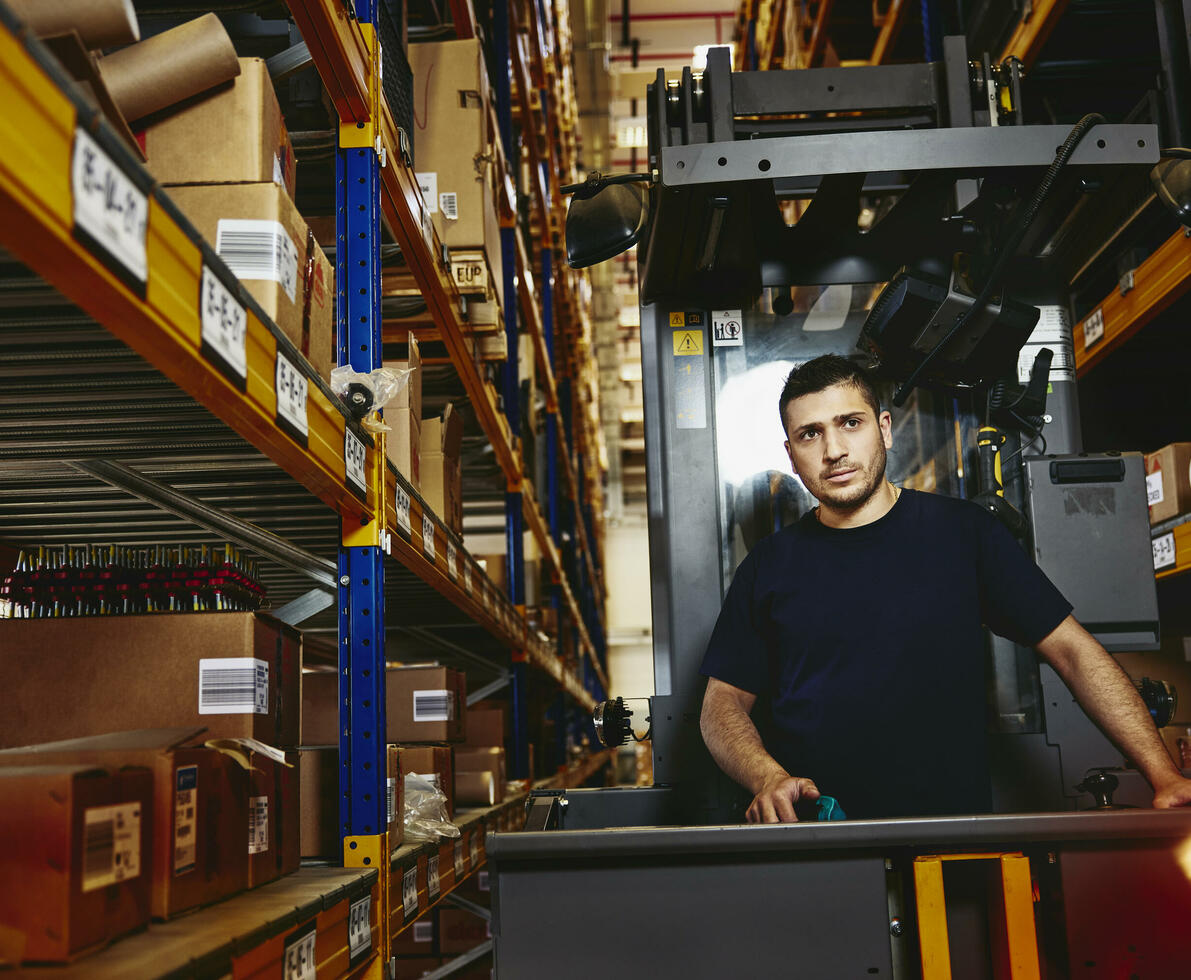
(1017, 600)
(736, 653)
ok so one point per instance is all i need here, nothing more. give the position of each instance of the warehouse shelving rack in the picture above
(126, 418)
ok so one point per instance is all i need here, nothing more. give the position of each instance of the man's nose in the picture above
(834, 447)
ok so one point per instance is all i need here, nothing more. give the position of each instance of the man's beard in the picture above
(854, 496)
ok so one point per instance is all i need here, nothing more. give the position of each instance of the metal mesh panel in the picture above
(398, 78)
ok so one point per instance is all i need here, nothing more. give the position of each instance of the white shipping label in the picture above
(278, 172)
(1154, 488)
(475, 848)
(423, 931)
(403, 521)
(1164, 551)
(428, 537)
(258, 824)
(259, 250)
(460, 860)
(359, 927)
(1053, 330)
(353, 460)
(233, 686)
(300, 963)
(433, 706)
(185, 818)
(452, 561)
(428, 185)
(727, 328)
(224, 323)
(467, 577)
(108, 207)
(448, 203)
(433, 885)
(391, 799)
(292, 388)
(409, 892)
(1093, 329)
(111, 845)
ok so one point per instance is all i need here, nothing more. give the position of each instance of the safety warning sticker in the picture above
(688, 342)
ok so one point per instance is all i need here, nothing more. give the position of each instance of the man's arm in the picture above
(1105, 692)
(736, 747)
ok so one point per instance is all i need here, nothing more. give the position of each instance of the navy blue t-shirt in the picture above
(868, 643)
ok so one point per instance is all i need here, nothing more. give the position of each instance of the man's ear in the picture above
(885, 420)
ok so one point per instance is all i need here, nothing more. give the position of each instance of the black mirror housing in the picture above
(606, 224)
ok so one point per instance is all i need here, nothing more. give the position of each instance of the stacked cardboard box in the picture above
(74, 858)
(440, 471)
(227, 163)
(455, 148)
(424, 704)
(435, 761)
(480, 765)
(404, 417)
(1168, 481)
(319, 791)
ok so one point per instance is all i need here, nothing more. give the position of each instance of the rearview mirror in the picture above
(1171, 180)
(605, 224)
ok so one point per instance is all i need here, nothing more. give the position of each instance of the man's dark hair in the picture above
(823, 372)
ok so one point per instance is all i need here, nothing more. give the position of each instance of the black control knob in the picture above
(1101, 784)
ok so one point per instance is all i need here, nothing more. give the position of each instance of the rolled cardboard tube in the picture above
(170, 67)
(100, 23)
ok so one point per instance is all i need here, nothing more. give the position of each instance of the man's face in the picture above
(837, 445)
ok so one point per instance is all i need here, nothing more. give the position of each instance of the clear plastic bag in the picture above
(426, 810)
(365, 393)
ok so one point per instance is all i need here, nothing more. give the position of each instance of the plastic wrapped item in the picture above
(364, 394)
(425, 814)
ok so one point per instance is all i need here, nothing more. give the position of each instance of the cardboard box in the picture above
(273, 819)
(404, 417)
(496, 567)
(418, 940)
(442, 477)
(74, 858)
(198, 817)
(471, 762)
(460, 931)
(485, 725)
(235, 673)
(232, 134)
(432, 760)
(258, 232)
(318, 776)
(455, 147)
(1168, 481)
(423, 704)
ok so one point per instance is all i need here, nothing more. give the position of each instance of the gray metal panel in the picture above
(623, 806)
(1093, 540)
(772, 839)
(756, 93)
(972, 149)
(810, 917)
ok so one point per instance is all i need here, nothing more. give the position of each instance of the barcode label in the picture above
(475, 848)
(1164, 551)
(359, 927)
(467, 577)
(452, 561)
(482, 882)
(223, 325)
(353, 461)
(428, 536)
(460, 860)
(433, 706)
(391, 799)
(233, 686)
(428, 185)
(448, 202)
(111, 845)
(1093, 329)
(432, 882)
(109, 209)
(292, 389)
(423, 931)
(1154, 493)
(185, 818)
(258, 824)
(409, 892)
(403, 521)
(300, 962)
(259, 250)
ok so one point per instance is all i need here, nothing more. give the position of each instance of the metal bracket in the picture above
(366, 851)
(302, 608)
(354, 135)
(459, 962)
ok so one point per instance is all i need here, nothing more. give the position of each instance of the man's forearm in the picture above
(1108, 696)
(736, 745)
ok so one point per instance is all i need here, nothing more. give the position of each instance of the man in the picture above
(862, 626)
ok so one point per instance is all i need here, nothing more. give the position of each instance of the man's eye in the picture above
(852, 423)
(808, 435)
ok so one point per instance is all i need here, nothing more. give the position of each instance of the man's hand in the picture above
(774, 803)
(1177, 792)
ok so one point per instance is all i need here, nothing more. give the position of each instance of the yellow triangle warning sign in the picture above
(688, 342)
